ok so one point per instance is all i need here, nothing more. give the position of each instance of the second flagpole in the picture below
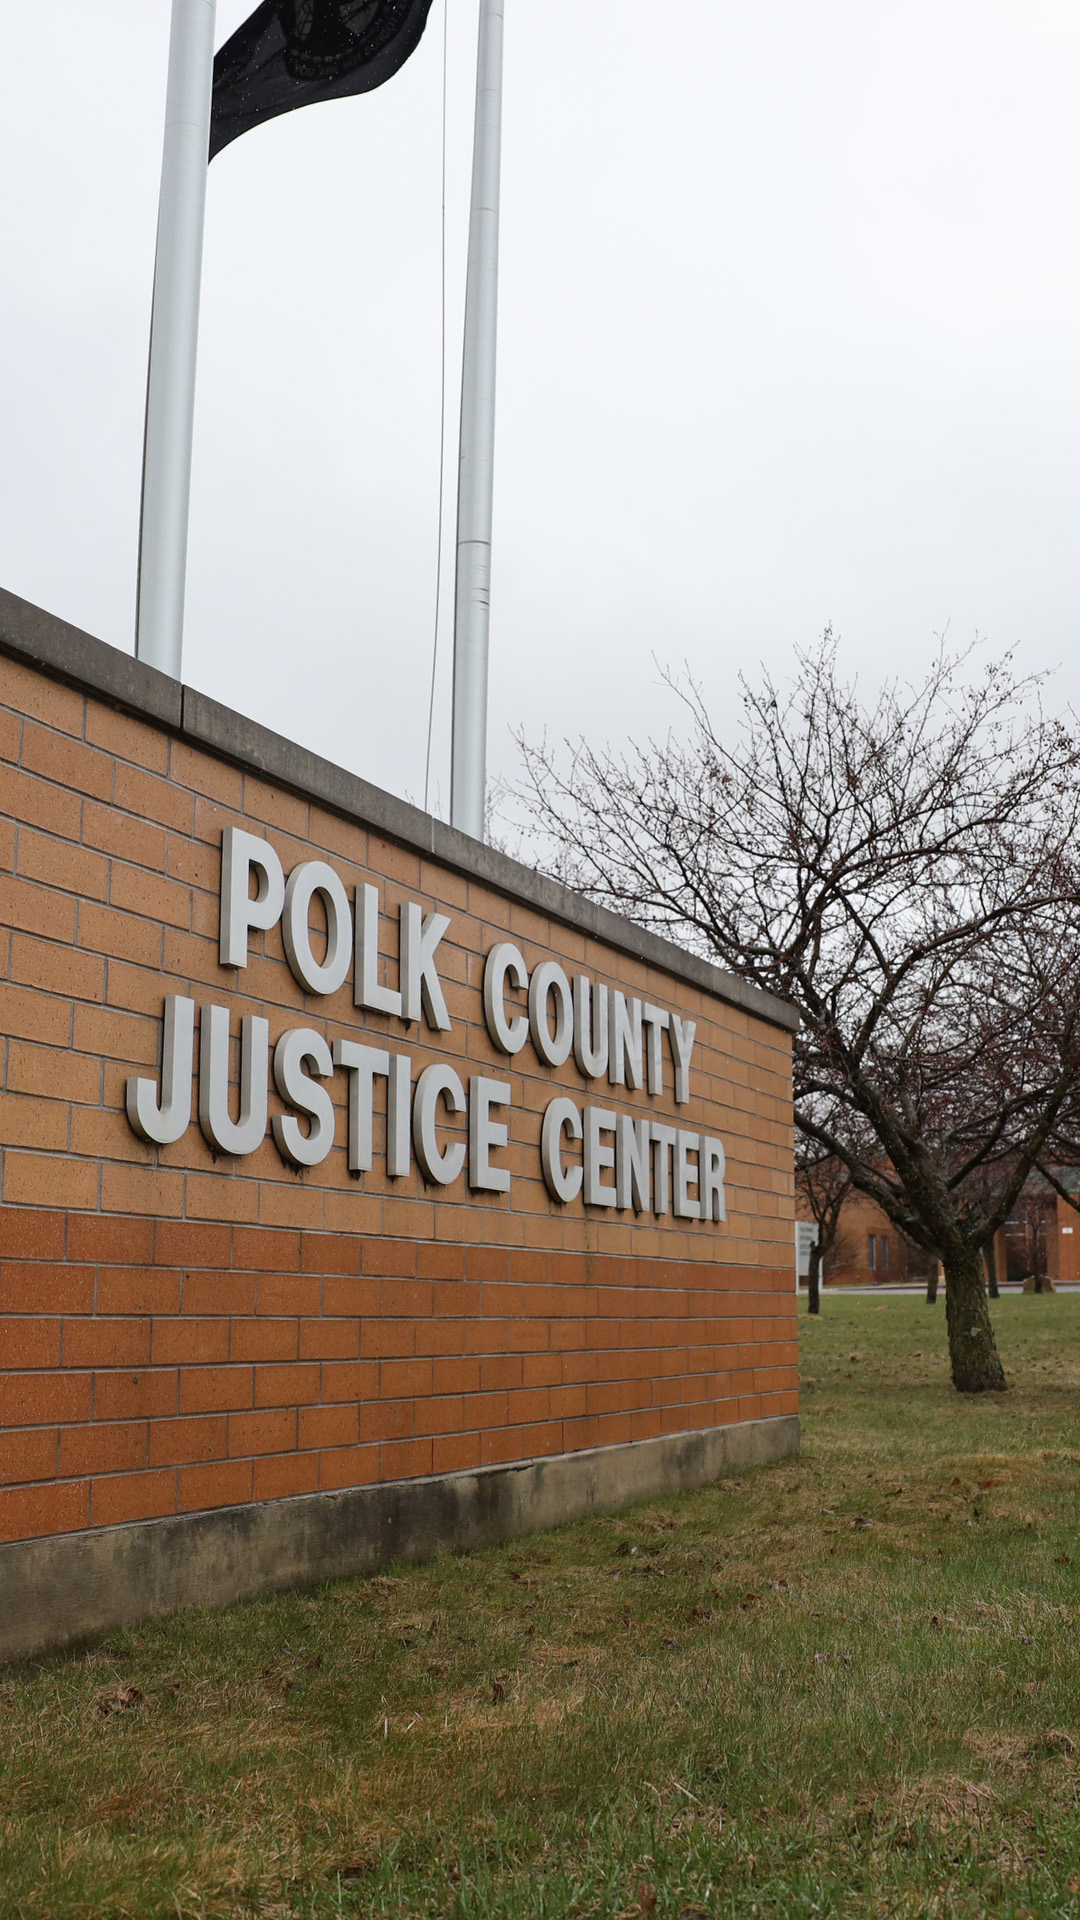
(174, 335)
(468, 775)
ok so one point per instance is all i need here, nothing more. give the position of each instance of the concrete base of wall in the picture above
(62, 1591)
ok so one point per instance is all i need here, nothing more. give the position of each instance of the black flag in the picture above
(291, 53)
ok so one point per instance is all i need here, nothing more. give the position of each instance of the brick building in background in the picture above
(868, 1250)
(1041, 1235)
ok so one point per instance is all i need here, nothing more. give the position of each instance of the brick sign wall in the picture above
(186, 1328)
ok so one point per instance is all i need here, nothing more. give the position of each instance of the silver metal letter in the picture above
(681, 1035)
(504, 963)
(548, 980)
(435, 1083)
(590, 1026)
(367, 991)
(561, 1116)
(420, 935)
(712, 1166)
(597, 1158)
(686, 1176)
(663, 1139)
(486, 1134)
(361, 1064)
(291, 1055)
(399, 1116)
(248, 1132)
(243, 854)
(327, 975)
(165, 1120)
(655, 1020)
(626, 1052)
(632, 1182)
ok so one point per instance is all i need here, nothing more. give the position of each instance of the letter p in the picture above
(244, 854)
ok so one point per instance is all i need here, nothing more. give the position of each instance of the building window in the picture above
(871, 1253)
(884, 1253)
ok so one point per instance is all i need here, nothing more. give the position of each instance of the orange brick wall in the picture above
(178, 1334)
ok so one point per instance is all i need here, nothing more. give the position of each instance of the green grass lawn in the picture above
(844, 1685)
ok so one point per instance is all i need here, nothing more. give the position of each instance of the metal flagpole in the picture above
(174, 334)
(476, 461)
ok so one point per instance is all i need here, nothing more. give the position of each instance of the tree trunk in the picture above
(976, 1367)
(990, 1258)
(813, 1304)
(931, 1285)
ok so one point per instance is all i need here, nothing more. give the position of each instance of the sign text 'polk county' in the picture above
(605, 1156)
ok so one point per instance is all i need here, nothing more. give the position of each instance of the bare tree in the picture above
(1061, 1157)
(1034, 1214)
(1054, 1171)
(904, 873)
(990, 1263)
(984, 1191)
(825, 1184)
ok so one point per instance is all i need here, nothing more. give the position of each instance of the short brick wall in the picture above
(180, 1333)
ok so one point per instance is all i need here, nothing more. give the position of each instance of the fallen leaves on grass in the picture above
(124, 1700)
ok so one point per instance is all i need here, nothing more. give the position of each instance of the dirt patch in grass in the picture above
(846, 1685)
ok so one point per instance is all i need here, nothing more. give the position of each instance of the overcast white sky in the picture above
(789, 334)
